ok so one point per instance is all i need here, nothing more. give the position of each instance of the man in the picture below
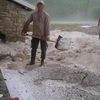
(99, 27)
(40, 31)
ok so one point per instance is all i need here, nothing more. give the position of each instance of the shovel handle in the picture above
(52, 41)
(47, 40)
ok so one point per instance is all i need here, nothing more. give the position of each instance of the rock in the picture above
(12, 66)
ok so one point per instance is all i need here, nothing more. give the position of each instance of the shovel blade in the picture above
(57, 42)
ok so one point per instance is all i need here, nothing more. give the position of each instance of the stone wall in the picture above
(12, 18)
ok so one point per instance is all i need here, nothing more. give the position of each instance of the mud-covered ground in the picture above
(72, 74)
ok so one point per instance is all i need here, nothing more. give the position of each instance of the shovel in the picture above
(58, 42)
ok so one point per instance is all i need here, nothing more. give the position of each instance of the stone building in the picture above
(13, 14)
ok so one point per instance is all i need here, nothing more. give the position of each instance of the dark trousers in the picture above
(34, 46)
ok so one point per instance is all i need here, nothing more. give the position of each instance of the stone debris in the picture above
(69, 74)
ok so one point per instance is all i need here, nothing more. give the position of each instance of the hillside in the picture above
(72, 9)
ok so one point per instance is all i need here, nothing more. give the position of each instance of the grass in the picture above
(75, 27)
(67, 27)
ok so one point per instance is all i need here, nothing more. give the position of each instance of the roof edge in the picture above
(26, 5)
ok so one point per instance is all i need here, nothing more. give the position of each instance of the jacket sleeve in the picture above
(99, 22)
(25, 28)
(47, 26)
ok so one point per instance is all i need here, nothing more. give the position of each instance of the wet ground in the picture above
(53, 83)
(72, 74)
(4, 93)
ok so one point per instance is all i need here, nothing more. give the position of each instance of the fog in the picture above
(72, 10)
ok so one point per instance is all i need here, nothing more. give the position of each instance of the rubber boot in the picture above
(42, 62)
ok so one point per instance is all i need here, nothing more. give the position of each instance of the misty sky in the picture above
(72, 9)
